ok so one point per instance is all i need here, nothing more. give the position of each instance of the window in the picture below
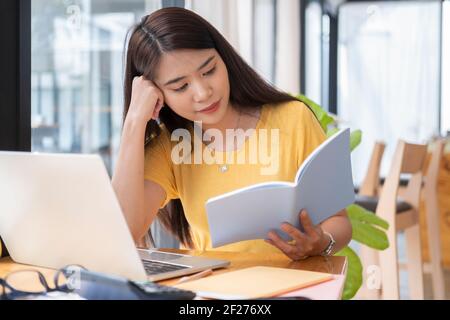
(313, 51)
(389, 73)
(77, 75)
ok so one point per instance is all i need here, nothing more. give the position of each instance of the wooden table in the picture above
(334, 265)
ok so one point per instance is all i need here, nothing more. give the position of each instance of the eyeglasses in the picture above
(23, 283)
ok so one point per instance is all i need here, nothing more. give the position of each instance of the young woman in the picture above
(181, 71)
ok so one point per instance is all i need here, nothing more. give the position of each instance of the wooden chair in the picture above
(371, 183)
(432, 215)
(408, 159)
(367, 194)
(402, 216)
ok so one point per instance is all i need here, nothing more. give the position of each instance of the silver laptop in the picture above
(60, 209)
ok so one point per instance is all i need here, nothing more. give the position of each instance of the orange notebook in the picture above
(254, 282)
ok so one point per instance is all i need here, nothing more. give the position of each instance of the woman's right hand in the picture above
(146, 100)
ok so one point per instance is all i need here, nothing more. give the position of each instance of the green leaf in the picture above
(355, 139)
(369, 235)
(367, 227)
(354, 278)
(356, 212)
(321, 114)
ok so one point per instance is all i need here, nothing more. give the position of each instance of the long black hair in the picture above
(175, 28)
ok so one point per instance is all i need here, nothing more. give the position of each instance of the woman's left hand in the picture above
(311, 242)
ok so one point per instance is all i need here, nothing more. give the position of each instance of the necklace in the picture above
(224, 167)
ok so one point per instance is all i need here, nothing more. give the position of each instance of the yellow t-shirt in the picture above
(299, 134)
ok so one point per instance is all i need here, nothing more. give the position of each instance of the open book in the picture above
(323, 186)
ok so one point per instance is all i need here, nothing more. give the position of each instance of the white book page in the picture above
(325, 186)
(316, 151)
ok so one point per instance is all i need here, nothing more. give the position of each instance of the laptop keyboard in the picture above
(154, 267)
(162, 256)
